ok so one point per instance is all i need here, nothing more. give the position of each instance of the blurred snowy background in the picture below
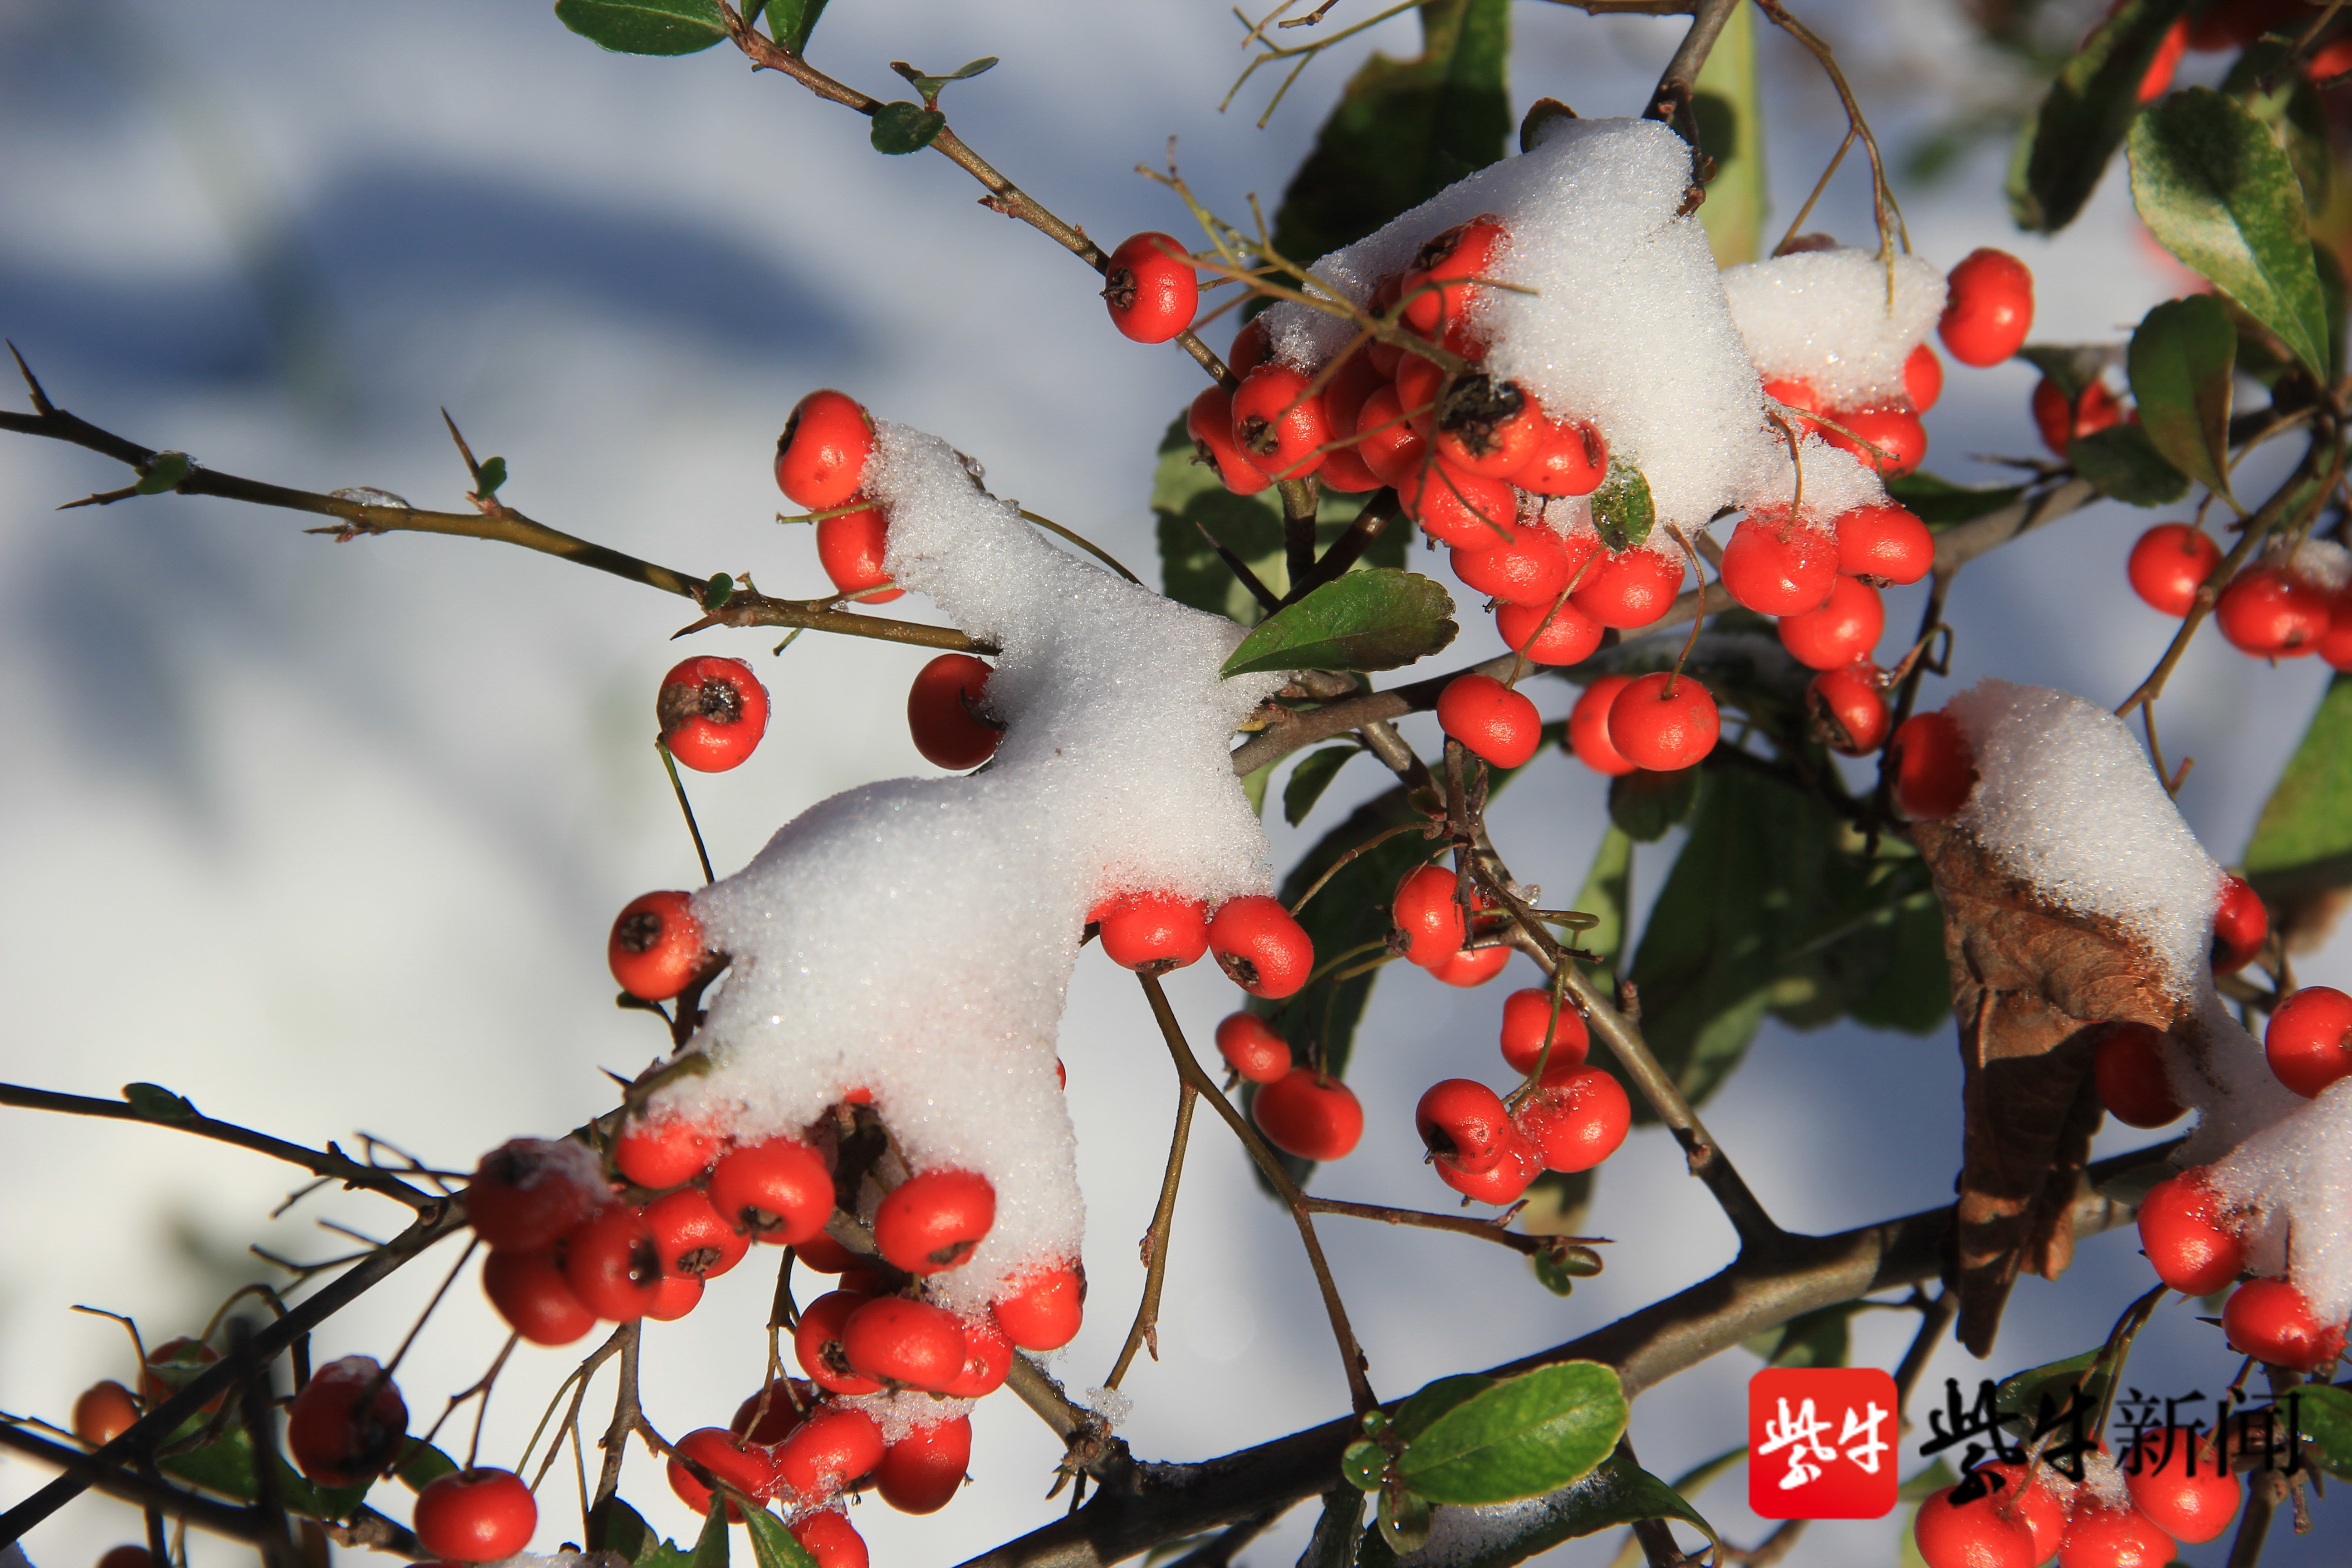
(328, 838)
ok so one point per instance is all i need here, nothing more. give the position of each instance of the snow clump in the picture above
(1822, 317)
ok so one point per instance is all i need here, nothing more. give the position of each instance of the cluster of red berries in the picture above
(1564, 1116)
(2281, 606)
(2197, 1244)
(1258, 945)
(2179, 1489)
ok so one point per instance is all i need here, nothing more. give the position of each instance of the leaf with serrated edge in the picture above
(1523, 1437)
(1366, 620)
(2217, 191)
(1310, 778)
(645, 27)
(2181, 359)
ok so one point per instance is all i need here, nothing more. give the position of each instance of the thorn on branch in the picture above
(41, 403)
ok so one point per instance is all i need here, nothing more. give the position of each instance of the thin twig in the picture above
(1145, 1330)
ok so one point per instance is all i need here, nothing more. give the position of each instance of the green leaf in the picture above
(1823, 1337)
(492, 474)
(1336, 1531)
(2125, 464)
(2182, 356)
(2085, 115)
(2070, 366)
(1364, 1464)
(1432, 1400)
(645, 27)
(1310, 778)
(156, 1104)
(718, 591)
(1606, 894)
(1939, 503)
(930, 86)
(1404, 129)
(2324, 1414)
(628, 1534)
(1254, 787)
(2215, 189)
(424, 1464)
(226, 1466)
(790, 22)
(1522, 1437)
(1926, 1483)
(902, 126)
(1559, 1267)
(1619, 1492)
(164, 472)
(1379, 619)
(1706, 1472)
(1647, 806)
(2301, 849)
(710, 1546)
(1622, 507)
(773, 1546)
(1725, 101)
(2021, 1397)
(1404, 1519)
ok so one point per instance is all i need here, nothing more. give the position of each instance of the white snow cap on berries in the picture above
(1823, 316)
(907, 1412)
(2296, 1176)
(915, 937)
(1834, 481)
(2322, 563)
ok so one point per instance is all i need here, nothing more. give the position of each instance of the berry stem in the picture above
(677, 785)
(1146, 1328)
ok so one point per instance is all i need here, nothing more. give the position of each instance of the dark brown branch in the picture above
(218, 1518)
(1670, 100)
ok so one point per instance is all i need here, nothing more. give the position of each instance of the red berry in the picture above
(1974, 1535)
(1043, 1310)
(1577, 1122)
(2189, 1239)
(1548, 634)
(528, 1192)
(2061, 422)
(853, 548)
(823, 1255)
(1588, 726)
(2026, 1498)
(1571, 460)
(911, 1343)
(1793, 393)
(1434, 292)
(611, 1264)
(816, 1342)
(1466, 510)
(2309, 1040)
(2129, 1066)
(1923, 377)
(2336, 643)
(1351, 384)
(2241, 925)
(2113, 1538)
(2270, 614)
(831, 1539)
(1279, 422)
(1776, 566)
(1429, 914)
(664, 1151)
(1848, 710)
(1462, 1122)
(987, 1357)
(1472, 966)
(1310, 1115)
(172, 1365)
(1386, 441)
(1251, 345)
(2182, 1482)
(1527, 1018)
(1844, 629)
(1663, 721)
(944, 708)
(1253, 1047)
(1342, 469)
(2169, 563)
(713, 711)
(1490, 427)
(1490, 719)
(675, 1295)
(821, 457)
(931, 1221)
(1889, 441)
(691, 1237)
(1883, 541)
(1934, 771)
(1988, 308)
(1500, 1183)
(476, 1515)
(835, 1446)
(780, 1191)
(1155, 931)
(787, 1402)
(1420, 383)
(1260, 947)
(1210, 425)
(1151, 288)
(2271, 1321)
(347, 1423)
(656, 946)
(530, 1291)
(1629, 590)
(103, 1412)
(747, 1469)
(1531, 567)
(922, 1472)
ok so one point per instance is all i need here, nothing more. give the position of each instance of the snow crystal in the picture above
(2297, 1173)
(916, 937)
(2322, 563)
(1464, 1533)
(1110, 1405)
(1836, 482)
(2102, 1479)
(2066, 801)
(906, 1411)
(1822, 317)
(368, 495)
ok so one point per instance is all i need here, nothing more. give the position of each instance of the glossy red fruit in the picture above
(1043, 1309)
(2182, 1481)
(347, 1423)
(787, 1402)
(1386, 441)
(911, 1343)
(2169, 563)
(1629, 590)
(1988, 308)
(2309, 1040)
(1210, 423)
(2128, 1064)
(821, 457)
(1489, 427)
(1503, 1181)
(1420, 383)
(2061, 422)
(1156, 930)
(1253, 1047)
(1466, 510)
(853, 548)
(1461, 1120)
(611, 1264)
(1663, 721)
(1577, 1122)
(2336, 643)
(1883, 541)
(945, 712)
(2189, 1239)
(528, 1192)
(103, 1412)
(987, 1358)
(930, 1223)
(1260, 947)
(2271, 1321)
(713, 711)
(2026, 1498)
(1279, 422)
(831, 1539)
(530, 1291)
(1844, 629)
(691, 1237)
(2113, 1538)
(922, 1472)
(779, 1191)
(1344, 470)
(816, 1342)
(1434, 291)
(746, 1468)
(835, 1446)
(1934, 771)
(1588, 726)
(2165, 61)
(476, 1515)
(1532, 567)
(656, 946)
(663, 1152)
(1546, 635)
(1848, 710)
(1351, 384)
(674, 1296)
(1889, 441)
(1776, 566)
(1923, 377)
(1472, 966)
(1490, 719)
(1251, 347)
(2270, 614)
(1527, 1018)
(2241, 925)
(1797, 395)
(1151, 288)
(1973, 1535)
(1570, 459)
(1429, 916)
(1310, 1115)
(824, 1255)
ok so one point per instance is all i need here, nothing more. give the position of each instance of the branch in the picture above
(219, 1518)
(1670, 100)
